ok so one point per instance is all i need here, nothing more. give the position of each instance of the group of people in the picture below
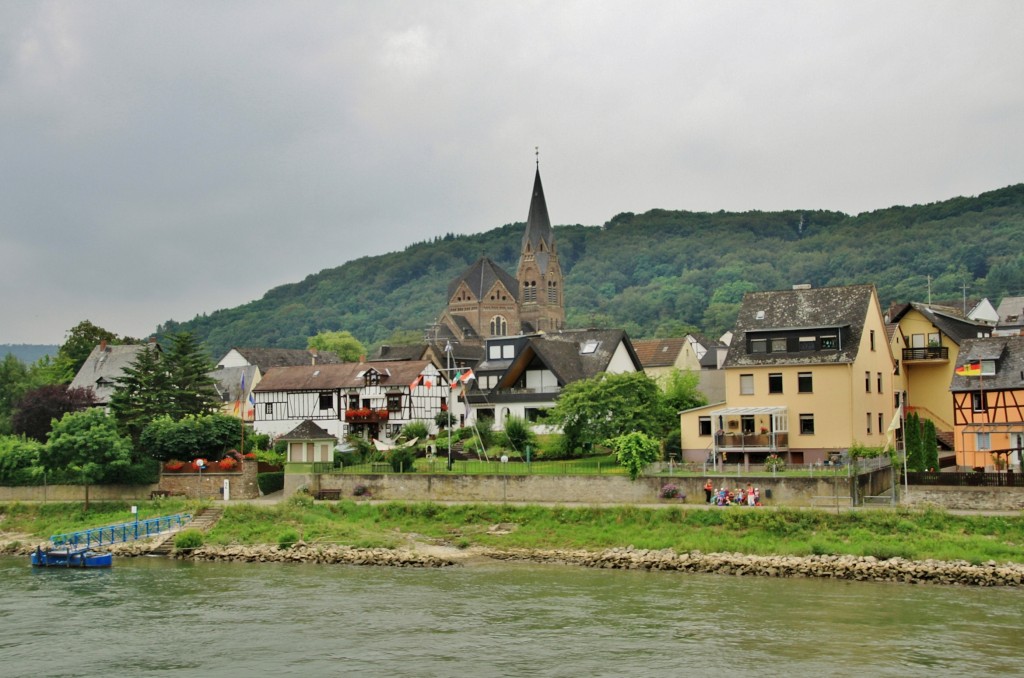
(723, 496)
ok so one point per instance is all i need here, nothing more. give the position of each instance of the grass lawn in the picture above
(883, 533)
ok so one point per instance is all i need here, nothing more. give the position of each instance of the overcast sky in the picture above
(164, 159)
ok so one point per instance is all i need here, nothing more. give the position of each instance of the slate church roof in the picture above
(480, 278)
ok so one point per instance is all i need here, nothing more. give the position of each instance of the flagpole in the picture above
(448, 353)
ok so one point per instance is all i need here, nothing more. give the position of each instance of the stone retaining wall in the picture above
(74, 493)
(210, 484)
(964, 498)
(570, 489)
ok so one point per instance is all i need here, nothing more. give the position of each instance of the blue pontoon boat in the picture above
(70, 557)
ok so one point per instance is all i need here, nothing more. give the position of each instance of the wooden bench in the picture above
(328, 494)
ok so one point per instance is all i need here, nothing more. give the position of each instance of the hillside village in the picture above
(804, 374)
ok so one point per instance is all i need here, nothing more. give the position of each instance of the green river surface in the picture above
(160, 617)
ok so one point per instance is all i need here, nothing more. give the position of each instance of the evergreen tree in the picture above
(142, 392)
(930, 446)
(191, 389)
(912, 443)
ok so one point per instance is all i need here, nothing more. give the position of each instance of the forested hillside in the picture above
(659, 273)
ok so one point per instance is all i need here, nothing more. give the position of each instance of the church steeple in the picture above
(538, 238)
(540, 277)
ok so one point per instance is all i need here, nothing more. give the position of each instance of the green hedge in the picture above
(270, 482)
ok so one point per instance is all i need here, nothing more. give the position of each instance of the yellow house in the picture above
(808, 373)
(926, 342)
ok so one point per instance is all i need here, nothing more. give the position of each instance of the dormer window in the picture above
(808, 343)
(758, 345)
(829, 342)
(371, 378)
(779, 345)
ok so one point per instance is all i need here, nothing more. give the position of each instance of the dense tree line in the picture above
(660, 273)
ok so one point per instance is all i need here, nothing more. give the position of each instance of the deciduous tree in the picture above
(38, 407)
(347, 347)
(595, 410)
(88, 444)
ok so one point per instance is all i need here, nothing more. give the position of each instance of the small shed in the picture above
(308, 443)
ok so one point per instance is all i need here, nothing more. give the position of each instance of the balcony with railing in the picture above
(754, 442)
(926, 354)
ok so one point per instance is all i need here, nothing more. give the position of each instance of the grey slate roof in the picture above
(948, 320)
(395, 374)
(266, 358)
(404, 352)
(104, 367)
(228, 382)
(481, 276)
(801, 309)
(1011, 312)
(1008, 352)
(561, 353)
(307, 430)
(538, 227)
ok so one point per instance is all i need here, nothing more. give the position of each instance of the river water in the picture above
(159, 617)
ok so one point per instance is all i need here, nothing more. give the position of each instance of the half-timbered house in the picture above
(370, 400)
(988, 403)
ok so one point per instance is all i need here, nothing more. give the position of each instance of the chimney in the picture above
(103, 345)
(362, 358)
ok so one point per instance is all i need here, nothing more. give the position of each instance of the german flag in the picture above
(971, 369)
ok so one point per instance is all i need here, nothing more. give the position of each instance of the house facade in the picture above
(808, 373)
(522, 376)
(926, 344)
(369, 400)
(988, 403)
(694, 353)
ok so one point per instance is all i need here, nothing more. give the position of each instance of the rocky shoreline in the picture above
(850, 568)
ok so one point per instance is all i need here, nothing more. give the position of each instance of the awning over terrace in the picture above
(780, 418)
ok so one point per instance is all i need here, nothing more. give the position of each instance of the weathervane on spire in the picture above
(536, 152)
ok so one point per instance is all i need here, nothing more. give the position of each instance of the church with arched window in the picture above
(486, 301)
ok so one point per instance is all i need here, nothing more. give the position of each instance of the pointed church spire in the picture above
(538, 236)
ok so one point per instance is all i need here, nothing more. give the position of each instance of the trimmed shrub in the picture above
(270, 482)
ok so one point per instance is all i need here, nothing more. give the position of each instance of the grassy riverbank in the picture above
(913, 535)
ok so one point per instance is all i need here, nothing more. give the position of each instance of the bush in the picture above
(485, 430)
(287, 539)
(188, 539)
(270, 482)
(519, 434)
(402, 459)
(774, 463)
(415, 429)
